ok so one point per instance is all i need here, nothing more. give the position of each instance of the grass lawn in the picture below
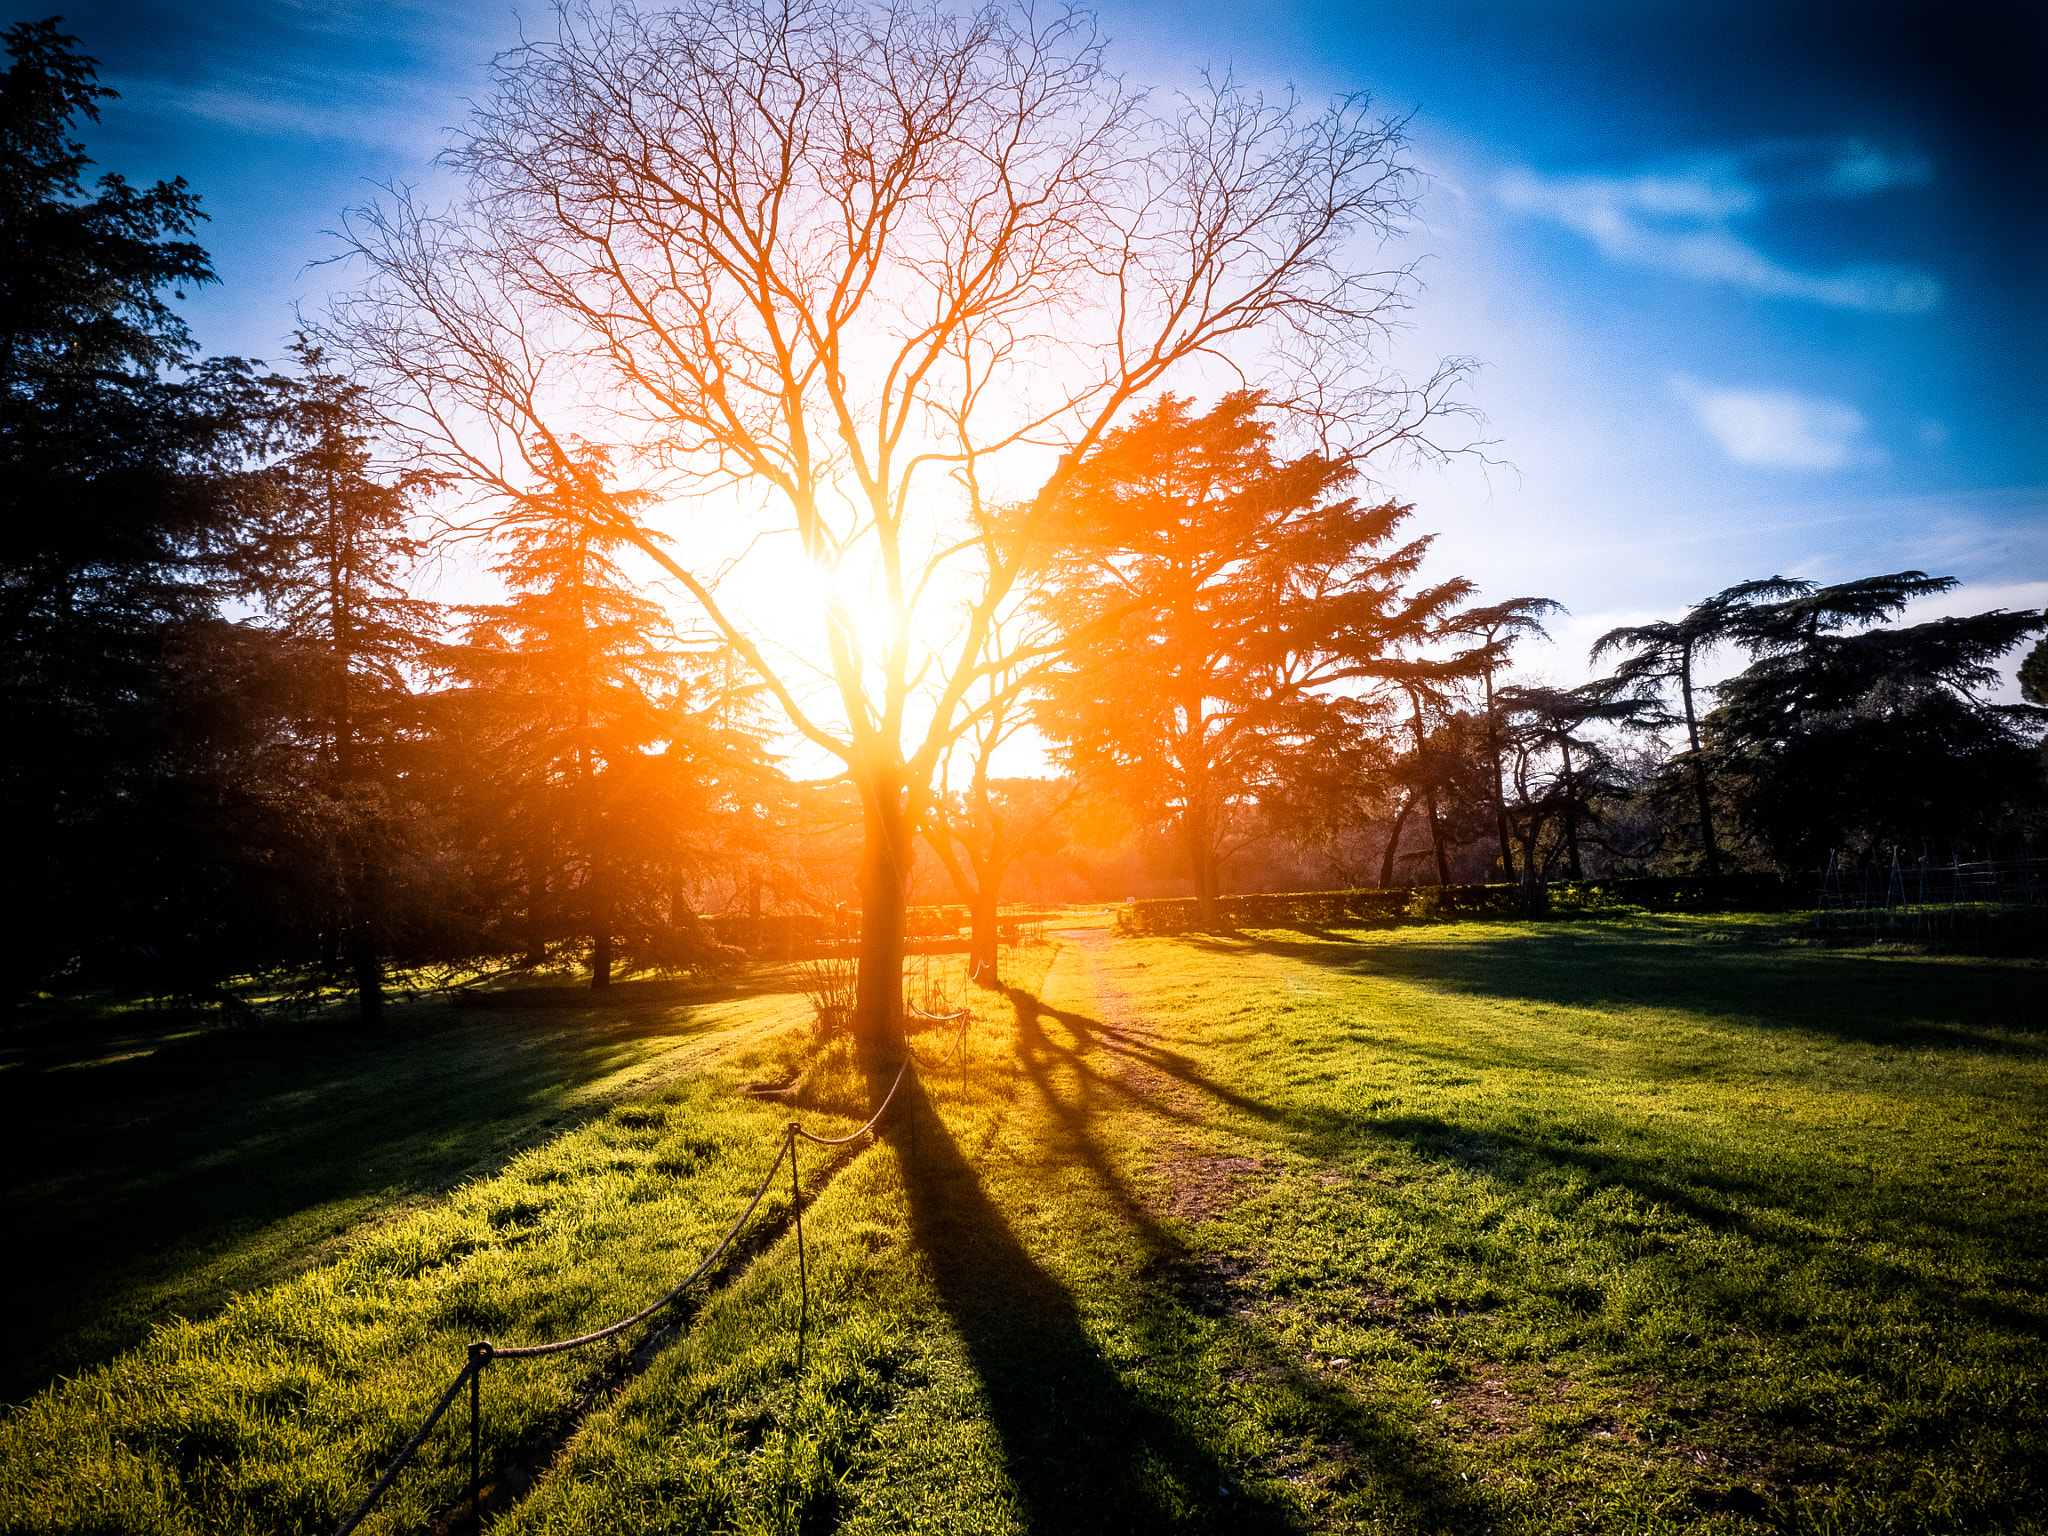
(1632, 1225)
(155, 1167)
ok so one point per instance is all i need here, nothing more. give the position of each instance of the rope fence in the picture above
(483, 1351)
(1936, 899)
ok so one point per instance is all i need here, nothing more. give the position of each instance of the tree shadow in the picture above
(1090, 1447)
(1873, 998)
(155, 1168)
(1735, 1199)
(1748, 1207)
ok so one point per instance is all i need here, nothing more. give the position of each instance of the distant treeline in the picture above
(243, 740)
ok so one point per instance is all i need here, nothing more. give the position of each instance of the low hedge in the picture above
(1437, 903)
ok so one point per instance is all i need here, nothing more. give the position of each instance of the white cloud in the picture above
(1778, 429)
(1683, 221)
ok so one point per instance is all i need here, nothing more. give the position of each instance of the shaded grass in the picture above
(155, 1164)
(1626, 1226)
(1647, 1225)
(273, 1414)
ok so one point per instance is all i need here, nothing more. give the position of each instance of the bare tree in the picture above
(894, 269)
(979, 832)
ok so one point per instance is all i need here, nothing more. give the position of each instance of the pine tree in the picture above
(327, 553)
(1216, 600)
(615, 748)
(111, 497)
(1668, 654)
(1564, 774)
(1848, 733)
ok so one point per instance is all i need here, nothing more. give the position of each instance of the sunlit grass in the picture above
(156, 1163)
(1656, 1225)
(1651, 1224)
(273, 1414)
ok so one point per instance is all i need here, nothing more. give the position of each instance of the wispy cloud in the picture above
(1778, 429)
(1684, 219)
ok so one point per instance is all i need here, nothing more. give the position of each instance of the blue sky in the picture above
(1756, 288)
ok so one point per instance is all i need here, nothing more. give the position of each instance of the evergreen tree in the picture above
(1216, 599)
(1563, 772)
(113, 494)
(1498, 626)
(1667, 654)
(1846, 733)
(327, 551)
(2034, 674)
(614, 749)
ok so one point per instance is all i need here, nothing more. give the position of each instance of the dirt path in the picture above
(1137, 1048)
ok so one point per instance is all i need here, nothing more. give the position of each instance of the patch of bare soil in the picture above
(1488, 1404)
(1204, 1186)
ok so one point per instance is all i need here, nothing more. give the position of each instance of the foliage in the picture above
(602, 757)
(1215, 597)
(864, 261)
(326, 551)
(2034, 674)
(1562, 774)
(1845, 732)
(1666, 654)
(113, 498)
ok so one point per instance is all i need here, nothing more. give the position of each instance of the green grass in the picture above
(156, 1166)
(272, 1414)
(1633, 1225)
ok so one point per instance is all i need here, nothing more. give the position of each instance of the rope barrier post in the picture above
(803, 1278)
(479, 1357)
(911, 1116)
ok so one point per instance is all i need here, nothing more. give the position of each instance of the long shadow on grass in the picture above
(1086, 1449)
(155, 1170)
(1770, 1215)
(1889, 999)
(1772, 1212)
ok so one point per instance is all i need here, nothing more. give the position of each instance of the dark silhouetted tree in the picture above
(1847, 733)
(1565, 766)
(327, 556)
(1667, 654)
(115, 486)
(1221, 606)
(1497, 627)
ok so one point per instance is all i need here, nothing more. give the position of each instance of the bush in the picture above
(1440, 903)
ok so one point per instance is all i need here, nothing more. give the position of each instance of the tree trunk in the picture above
(982, 956)
(1436, 841)
(1201, 867)
(1535, 894)
(1699, 768)
(1571, 815)
(369, 979)
(1394, 842)
(884, 880)
(601, 958)
(1500, 796)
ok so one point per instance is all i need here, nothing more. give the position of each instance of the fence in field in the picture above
(1934, 900)
(483, 1352)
